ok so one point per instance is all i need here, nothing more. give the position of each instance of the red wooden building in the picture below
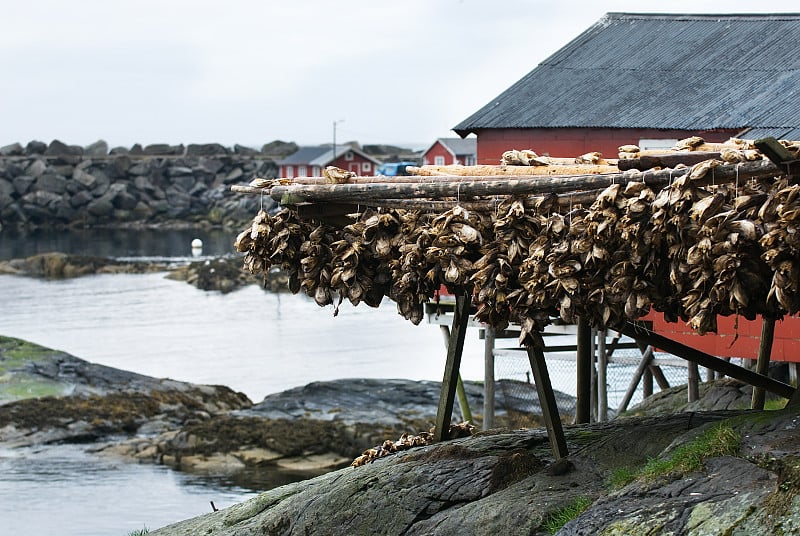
(650, 80)
(451, 151)
(310, 161)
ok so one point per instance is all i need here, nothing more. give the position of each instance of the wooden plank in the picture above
(646, 336)
(583, 372)
(762, 362)
(455, 349)
(547, 401)
(666, 160)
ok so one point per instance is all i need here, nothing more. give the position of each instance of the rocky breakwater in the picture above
(60, 185)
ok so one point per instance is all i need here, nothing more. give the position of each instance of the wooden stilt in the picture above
(583, 373)
(463, 403)
(690, 354)
(488, 379)
(455, 348)
(547, 400)
(658, 374)
(762, 364)
(692, 382)
(602, 383)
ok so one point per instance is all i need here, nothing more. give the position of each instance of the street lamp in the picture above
(334, 136)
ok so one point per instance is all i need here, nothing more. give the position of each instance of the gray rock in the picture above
(138, 169)
(14, 149)
(244, 150)
(210, 165)
(98, 148)
(52, 183)
(87, 180)
(35, 147)
(136, 150)
(119, 150)
(37, 168)
(205, 149)
(41, 198)
(80, 199)
(23, 183)
(184, 182)
(117, 168)
(68, 154)
(100, 207)
(124, 200)
(6, 189)
(235, 175)
(177, 171)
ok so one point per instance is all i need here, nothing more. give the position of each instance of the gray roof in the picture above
(664, 71)
(460, 146)
(320, 155)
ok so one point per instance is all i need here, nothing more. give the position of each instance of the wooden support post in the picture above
(658, 374)
(488, 379)
(692, 382)
(762, 364)
(602, 382)
(647, 383)
(647, 357)
(455, 348)
(646, 336)
(547, 401)
(583, 373)
(463, 402)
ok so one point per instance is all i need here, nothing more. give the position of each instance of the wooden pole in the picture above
(658, 374)
(455, 349)
(547, 401)
(646, 336)
(463, 402)
(488, 379)
(692, 381)
(602, 382)
(463, 187)
(583, 373)
(762, 364)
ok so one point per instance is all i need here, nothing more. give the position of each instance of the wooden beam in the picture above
(646, 336)
(762, 362)
(666, 160)
(583, 373)
(470, 186)
(463, 403)
(692, 382)
(602, 382)
(455, 349)
(779, 155)
(547, 400)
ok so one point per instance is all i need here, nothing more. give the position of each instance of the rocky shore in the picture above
(60, 185)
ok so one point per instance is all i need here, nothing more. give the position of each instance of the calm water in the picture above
(249, 340)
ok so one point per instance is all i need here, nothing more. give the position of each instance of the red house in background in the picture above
(310, 161)
(449, 151)
(650, 80)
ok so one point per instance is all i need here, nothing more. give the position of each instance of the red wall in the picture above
(785, 346)
(570, 142)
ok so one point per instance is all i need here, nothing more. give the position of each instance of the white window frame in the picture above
(348, 155)
(366, 166)
(289, 172)
(302, 171)
(438, 160)
(316, 171)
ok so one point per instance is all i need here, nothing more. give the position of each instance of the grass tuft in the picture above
(561, 517)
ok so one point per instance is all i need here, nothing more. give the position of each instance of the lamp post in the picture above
(334, 136)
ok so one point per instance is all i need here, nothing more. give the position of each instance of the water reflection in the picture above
(115, 242)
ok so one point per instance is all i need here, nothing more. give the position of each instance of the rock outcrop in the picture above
(58, 185)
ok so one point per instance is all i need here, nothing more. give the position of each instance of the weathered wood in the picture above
(547, 401)
(583, 372)
(455, 349)
(602, 383)
(471, 186)
(658, 374)
(666, 160)
(647, 358)
(692, 382)
(646, 336)
(762, 362)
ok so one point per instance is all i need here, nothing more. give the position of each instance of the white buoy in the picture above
(197, 247)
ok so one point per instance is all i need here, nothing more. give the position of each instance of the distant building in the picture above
(649, 80)
(310, 161)
(448, 151)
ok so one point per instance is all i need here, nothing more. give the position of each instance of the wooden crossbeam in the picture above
(688, 353)
(547, 400)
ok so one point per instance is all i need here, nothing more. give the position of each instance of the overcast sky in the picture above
(251, 71)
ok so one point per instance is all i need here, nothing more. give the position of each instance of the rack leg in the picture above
(455, 348)
(547, 400)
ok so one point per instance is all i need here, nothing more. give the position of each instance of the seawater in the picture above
(253, 341)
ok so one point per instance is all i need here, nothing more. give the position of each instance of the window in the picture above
(366, 166)
(438, 160)
(289, 172)
(302, 171)
(469, 161)
(348, 155)
(316, 171)
(646, 144)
